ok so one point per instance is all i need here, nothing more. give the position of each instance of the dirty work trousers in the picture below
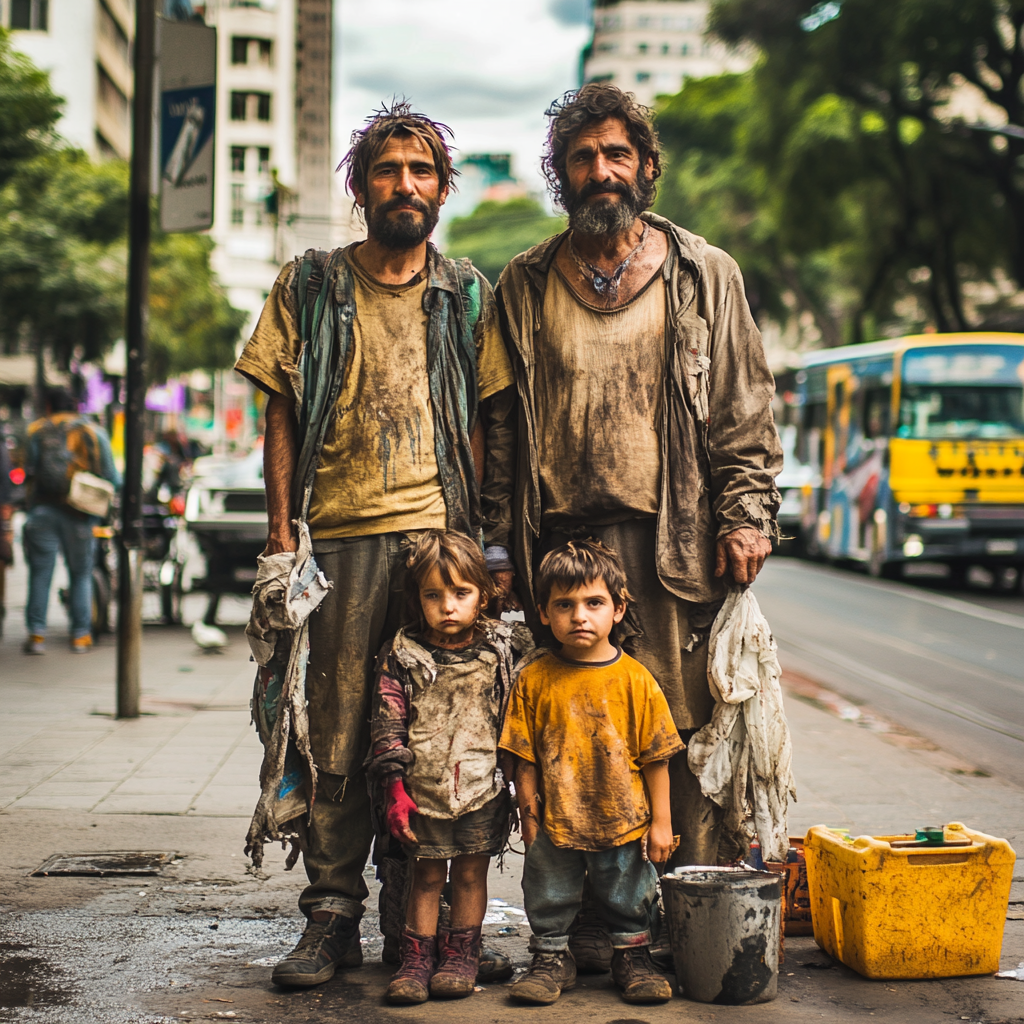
(669, 637)
(49, 529)
(364, 608)
(622, 886)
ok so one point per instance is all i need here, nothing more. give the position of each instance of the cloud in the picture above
(488, 70)
(571, 12)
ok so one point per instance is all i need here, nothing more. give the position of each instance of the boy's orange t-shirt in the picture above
(590, 728)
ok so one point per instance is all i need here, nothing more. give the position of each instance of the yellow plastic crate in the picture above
(909, 913)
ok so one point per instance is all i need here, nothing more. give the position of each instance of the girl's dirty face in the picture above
(450, 610)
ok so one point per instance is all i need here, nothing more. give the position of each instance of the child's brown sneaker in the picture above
(548, 977)
(638, 979)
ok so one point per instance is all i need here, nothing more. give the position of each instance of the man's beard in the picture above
(606, 216)
(405, 231)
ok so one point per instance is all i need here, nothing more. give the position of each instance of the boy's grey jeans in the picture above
(622, 885)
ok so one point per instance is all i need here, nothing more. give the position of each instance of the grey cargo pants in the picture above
(364, 608)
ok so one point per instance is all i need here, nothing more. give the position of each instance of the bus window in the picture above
(809, 444)
(876, 413)
(929, 412)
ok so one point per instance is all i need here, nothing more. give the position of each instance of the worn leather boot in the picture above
(458, 956)
(638, 979)
(411, 982)
(589, 943)
(324, 947)
(494, 966)
(547, 978)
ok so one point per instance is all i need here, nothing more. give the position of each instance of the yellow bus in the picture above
(919, 442)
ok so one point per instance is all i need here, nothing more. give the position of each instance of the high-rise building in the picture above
(85, 45)
(650, 47)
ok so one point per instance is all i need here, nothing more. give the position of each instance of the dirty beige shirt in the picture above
(600, 377)
(454, 711)
(378, 470)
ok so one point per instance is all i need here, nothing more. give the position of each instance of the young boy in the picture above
(592, 733)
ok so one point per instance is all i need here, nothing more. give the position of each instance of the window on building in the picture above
(250, 106)
(643, 22)
(264, 159)
(249, 50)
(30, 14)
(685, 50)
(238, 159)
(110, 96)
(664, 49)
(110, 29)
(237, 204)
(642, 48)
(601, 78)
(643, 76)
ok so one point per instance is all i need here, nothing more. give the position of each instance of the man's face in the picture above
(608, 187)
(403, 194)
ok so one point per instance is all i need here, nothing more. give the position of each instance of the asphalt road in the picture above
(947, 664)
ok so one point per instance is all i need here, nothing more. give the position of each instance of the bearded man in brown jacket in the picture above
(645, 412)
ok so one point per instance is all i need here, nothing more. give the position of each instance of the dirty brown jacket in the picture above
(720, 451)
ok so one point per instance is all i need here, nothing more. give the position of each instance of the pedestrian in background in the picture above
(6, 536)
(60, 445)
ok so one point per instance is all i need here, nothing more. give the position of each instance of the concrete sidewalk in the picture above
(199, 940)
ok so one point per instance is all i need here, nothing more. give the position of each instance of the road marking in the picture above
(950, 604)
(905, 688)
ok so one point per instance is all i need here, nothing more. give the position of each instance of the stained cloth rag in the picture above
(743, 756)
(288, 588)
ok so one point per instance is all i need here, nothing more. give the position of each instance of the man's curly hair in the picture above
(589, 105)
(381, 126)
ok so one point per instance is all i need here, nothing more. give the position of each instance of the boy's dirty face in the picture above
(449, 609)
(582, 620)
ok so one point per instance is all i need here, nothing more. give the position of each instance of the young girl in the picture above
(438, 705)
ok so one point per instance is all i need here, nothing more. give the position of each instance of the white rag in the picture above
(743, 756)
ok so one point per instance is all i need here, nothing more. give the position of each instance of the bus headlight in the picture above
(913, 546)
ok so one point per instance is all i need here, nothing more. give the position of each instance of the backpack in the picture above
(64, 449)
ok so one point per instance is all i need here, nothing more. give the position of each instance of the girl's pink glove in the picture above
(400, 806)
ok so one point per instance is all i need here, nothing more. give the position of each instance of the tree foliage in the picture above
(63, 249)
(28, 109)
(496, 231)
(847, 170)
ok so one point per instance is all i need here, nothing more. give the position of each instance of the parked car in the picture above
(226, 512)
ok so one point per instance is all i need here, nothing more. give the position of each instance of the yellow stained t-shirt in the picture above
(590, 728)
(378, 468)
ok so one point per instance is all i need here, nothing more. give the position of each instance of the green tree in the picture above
(192, 325)
(496, 231)
(28, 109)
(866, 127)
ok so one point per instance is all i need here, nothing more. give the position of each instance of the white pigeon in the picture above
(209, 638)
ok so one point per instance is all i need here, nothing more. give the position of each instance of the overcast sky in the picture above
(486, 68)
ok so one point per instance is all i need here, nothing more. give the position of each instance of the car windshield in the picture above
(961, 411)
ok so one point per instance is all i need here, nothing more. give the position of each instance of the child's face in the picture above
(582, 619)
(449, 610)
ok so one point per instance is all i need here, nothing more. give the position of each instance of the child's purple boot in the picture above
(411, 982)
(459, 960)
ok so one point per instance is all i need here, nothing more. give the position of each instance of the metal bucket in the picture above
(724, 930)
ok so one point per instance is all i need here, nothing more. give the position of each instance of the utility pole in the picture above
(129, 611)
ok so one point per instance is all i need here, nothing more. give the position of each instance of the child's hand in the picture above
(660, 842)
(528, 826)
(400, 806)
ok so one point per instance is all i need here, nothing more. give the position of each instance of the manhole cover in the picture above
(115, 862)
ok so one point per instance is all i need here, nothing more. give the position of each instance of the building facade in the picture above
(85, 45)
(650, 47)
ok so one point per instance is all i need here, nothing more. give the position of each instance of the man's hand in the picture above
(744, 550)
(277, 544)
(505, 600)
(400, 806)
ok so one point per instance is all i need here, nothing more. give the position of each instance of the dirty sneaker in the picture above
(35, 644)
(548, 977)
(82, 644)
(494, 966)
(638, 979)
(324, 947)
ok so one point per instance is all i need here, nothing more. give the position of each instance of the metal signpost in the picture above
(188, 57)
